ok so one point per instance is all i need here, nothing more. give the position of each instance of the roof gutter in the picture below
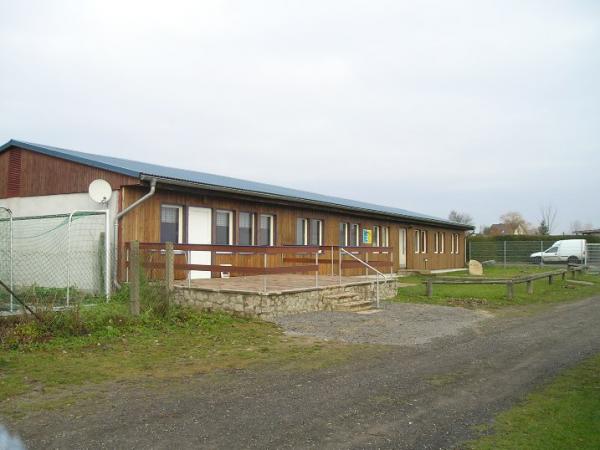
(213, 187)
(127, 210)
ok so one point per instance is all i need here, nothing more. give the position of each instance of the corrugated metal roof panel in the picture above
(138, 169)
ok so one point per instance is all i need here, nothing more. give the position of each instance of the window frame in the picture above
(423, 241)
(319, 224)
(346, 231)
(376, 236)
(385, 236)
(180, 220)
(417, 241)
(304, 230)
(231, 221)
(252, 227)
(356, 235)
(272, 236)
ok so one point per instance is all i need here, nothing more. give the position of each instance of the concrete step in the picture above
(354, 306)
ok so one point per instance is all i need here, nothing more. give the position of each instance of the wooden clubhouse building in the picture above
(157, 204)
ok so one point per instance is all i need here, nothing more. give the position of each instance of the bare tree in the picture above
(548, 219)
(459, 217)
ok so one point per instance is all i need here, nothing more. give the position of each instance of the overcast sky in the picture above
(480, 106)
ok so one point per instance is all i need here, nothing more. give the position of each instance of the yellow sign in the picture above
(367, 236)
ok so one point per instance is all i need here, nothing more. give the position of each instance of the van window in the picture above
(552, 250)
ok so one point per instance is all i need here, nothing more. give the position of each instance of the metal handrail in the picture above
(377, 272)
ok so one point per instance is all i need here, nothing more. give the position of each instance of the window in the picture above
(316, 232)
(343, 234)
(224, 229)
(423, 241)
(376, 241)
(246, 228)
(171, 223)
(385, 236)
(301, 231)
(455, 243)
(354, 235)
(417, 240)
(552, 250)
(266, 234)
(440, 237)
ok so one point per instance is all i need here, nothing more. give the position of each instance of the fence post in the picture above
(550, 279)
(317, 271)
(541, 251)
(470, 248)
(510, 290)
(340, 266)
(134, 283)
(169, 267)
(429, 288)
(332, 268)
(265, 272)
(505, 254)
(530, 287)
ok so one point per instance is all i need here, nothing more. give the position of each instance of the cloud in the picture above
(432, 106)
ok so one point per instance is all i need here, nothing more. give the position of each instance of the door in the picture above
(200, 232)
(552, 254)
(402, 249)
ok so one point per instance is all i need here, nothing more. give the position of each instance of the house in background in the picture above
(165, 204)
(506, 229)
(591, 232)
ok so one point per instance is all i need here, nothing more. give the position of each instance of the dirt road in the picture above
(420, 396)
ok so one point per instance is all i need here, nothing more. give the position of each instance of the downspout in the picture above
(131, 207)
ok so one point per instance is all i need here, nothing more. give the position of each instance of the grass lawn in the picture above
(494, 296)
(563, 415)
(116, 347)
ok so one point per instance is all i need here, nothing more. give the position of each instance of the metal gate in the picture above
(592, 255)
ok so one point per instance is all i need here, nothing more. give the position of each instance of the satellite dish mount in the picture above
(100, 191)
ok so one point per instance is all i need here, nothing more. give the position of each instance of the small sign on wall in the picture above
(367, 236)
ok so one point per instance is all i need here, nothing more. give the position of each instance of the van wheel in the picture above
(573, 260)
(537, 259)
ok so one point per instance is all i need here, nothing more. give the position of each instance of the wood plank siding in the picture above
(25, 173)
(143, 223)
(46, 175)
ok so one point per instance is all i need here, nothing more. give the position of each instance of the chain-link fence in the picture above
(518, 252)
(55, 260)
(6, 299)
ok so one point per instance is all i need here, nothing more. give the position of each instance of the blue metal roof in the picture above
(142, 170)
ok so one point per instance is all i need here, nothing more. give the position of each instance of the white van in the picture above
(571, 251)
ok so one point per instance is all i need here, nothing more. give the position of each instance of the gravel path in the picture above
(427, 396)
(394, 324)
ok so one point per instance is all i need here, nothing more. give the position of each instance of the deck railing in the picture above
(244, 260)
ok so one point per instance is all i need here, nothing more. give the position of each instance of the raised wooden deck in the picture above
(274, 284)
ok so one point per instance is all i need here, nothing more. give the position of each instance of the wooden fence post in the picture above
(564, 275)
(550, 279)
(429, 288)
(134, 280)
(169, 267)
(510, 290)
(530, 287)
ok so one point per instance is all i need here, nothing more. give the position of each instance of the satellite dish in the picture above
(100, 191)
